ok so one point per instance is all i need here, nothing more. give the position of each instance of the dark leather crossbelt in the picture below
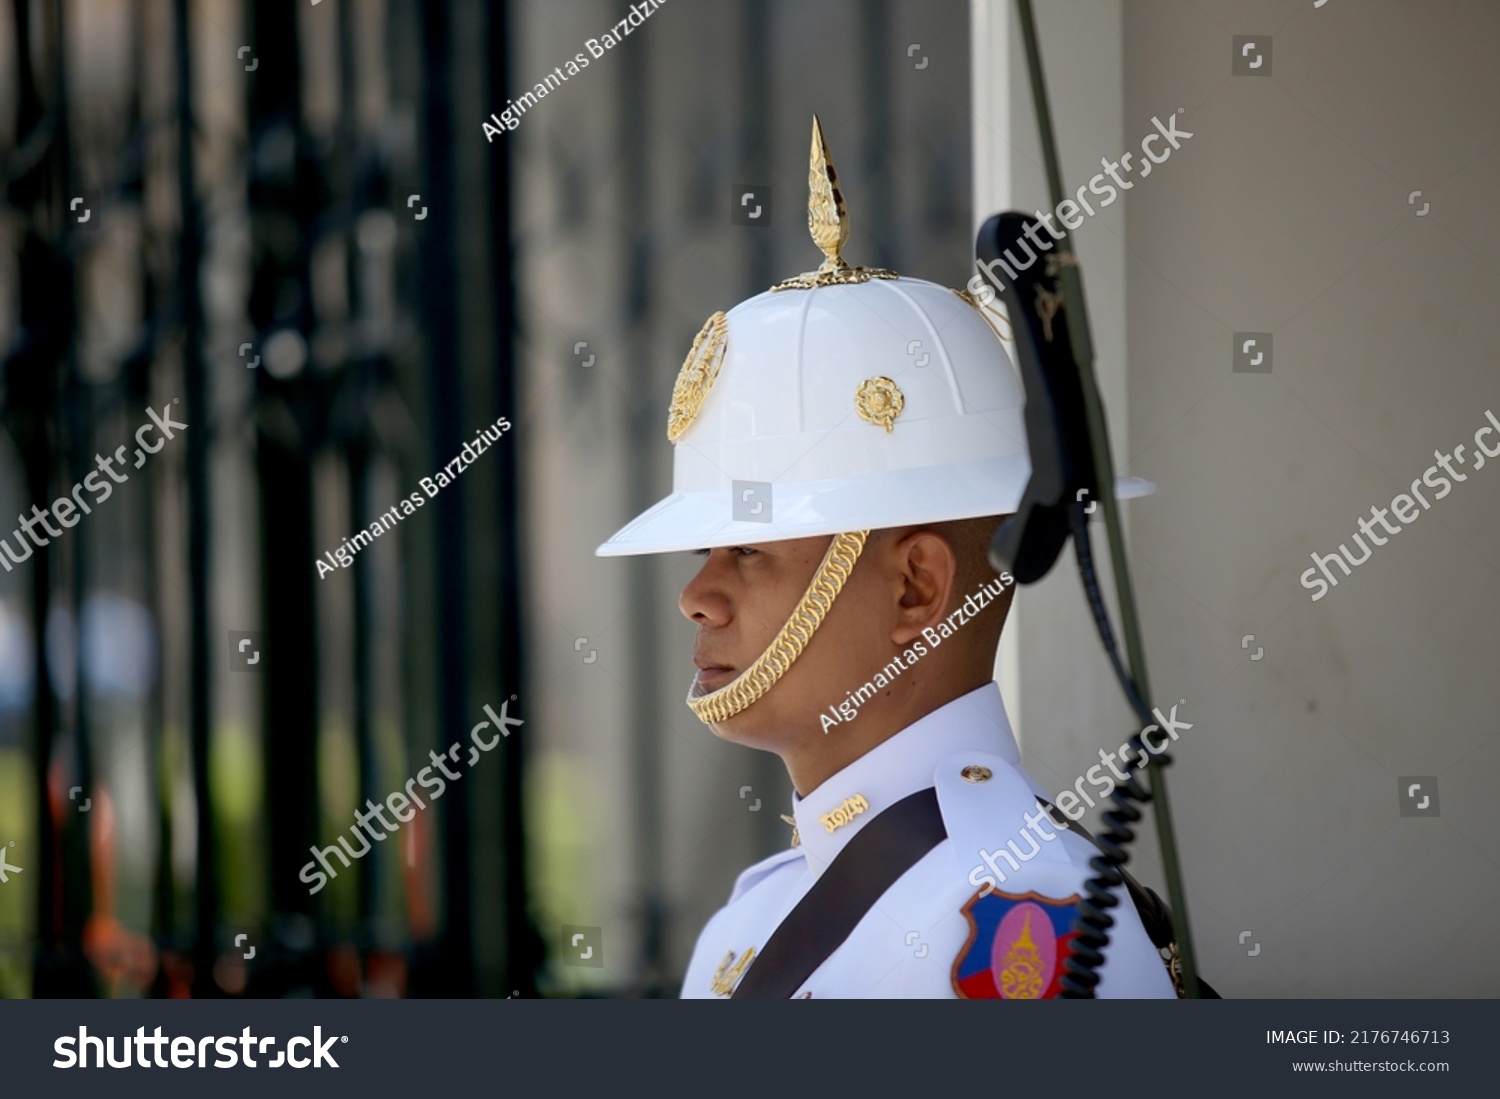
(869, 864)
(879, 853)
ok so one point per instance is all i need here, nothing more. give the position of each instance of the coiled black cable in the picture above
(1091, 928)
(1079, 523)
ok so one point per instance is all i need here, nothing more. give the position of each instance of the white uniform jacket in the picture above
(957, 924)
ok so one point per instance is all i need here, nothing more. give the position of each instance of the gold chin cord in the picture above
(751, 684)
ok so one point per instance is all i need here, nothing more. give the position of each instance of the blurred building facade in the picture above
(339, 280)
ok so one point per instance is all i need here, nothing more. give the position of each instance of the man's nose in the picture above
(703, 599)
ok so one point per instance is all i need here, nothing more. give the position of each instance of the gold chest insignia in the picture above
(728, 975)
(696, 378)
(846, 812)
(879, 401)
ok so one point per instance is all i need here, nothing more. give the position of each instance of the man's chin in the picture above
(756, 726)
(745, 730)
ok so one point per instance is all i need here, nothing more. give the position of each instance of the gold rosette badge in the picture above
(879, 401)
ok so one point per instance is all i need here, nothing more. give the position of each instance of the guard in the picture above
(846, 444)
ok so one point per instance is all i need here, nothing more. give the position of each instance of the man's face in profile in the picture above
(741, 598)
(905, 579)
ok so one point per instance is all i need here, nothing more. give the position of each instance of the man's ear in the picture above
(926, 568)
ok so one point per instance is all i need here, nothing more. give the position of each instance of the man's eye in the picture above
(743, 551)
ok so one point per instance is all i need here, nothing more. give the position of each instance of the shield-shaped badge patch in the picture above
(1016, 948)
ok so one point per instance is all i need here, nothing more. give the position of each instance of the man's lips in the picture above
(711, 674)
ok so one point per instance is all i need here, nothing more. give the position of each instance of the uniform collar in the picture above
(899, 766)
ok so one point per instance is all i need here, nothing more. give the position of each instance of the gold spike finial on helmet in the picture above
(828, 223)
(827, 217)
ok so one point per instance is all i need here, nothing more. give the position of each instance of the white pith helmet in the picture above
(865, 401)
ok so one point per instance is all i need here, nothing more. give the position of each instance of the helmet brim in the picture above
(967, 490)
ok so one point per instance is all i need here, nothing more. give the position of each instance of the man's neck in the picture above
(818, 756)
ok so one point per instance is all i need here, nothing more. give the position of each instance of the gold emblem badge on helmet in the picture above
(879, 401)
(696, 378)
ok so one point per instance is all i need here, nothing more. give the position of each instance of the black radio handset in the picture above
(1057, 430)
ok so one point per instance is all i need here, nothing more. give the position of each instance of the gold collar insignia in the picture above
(852, 807)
